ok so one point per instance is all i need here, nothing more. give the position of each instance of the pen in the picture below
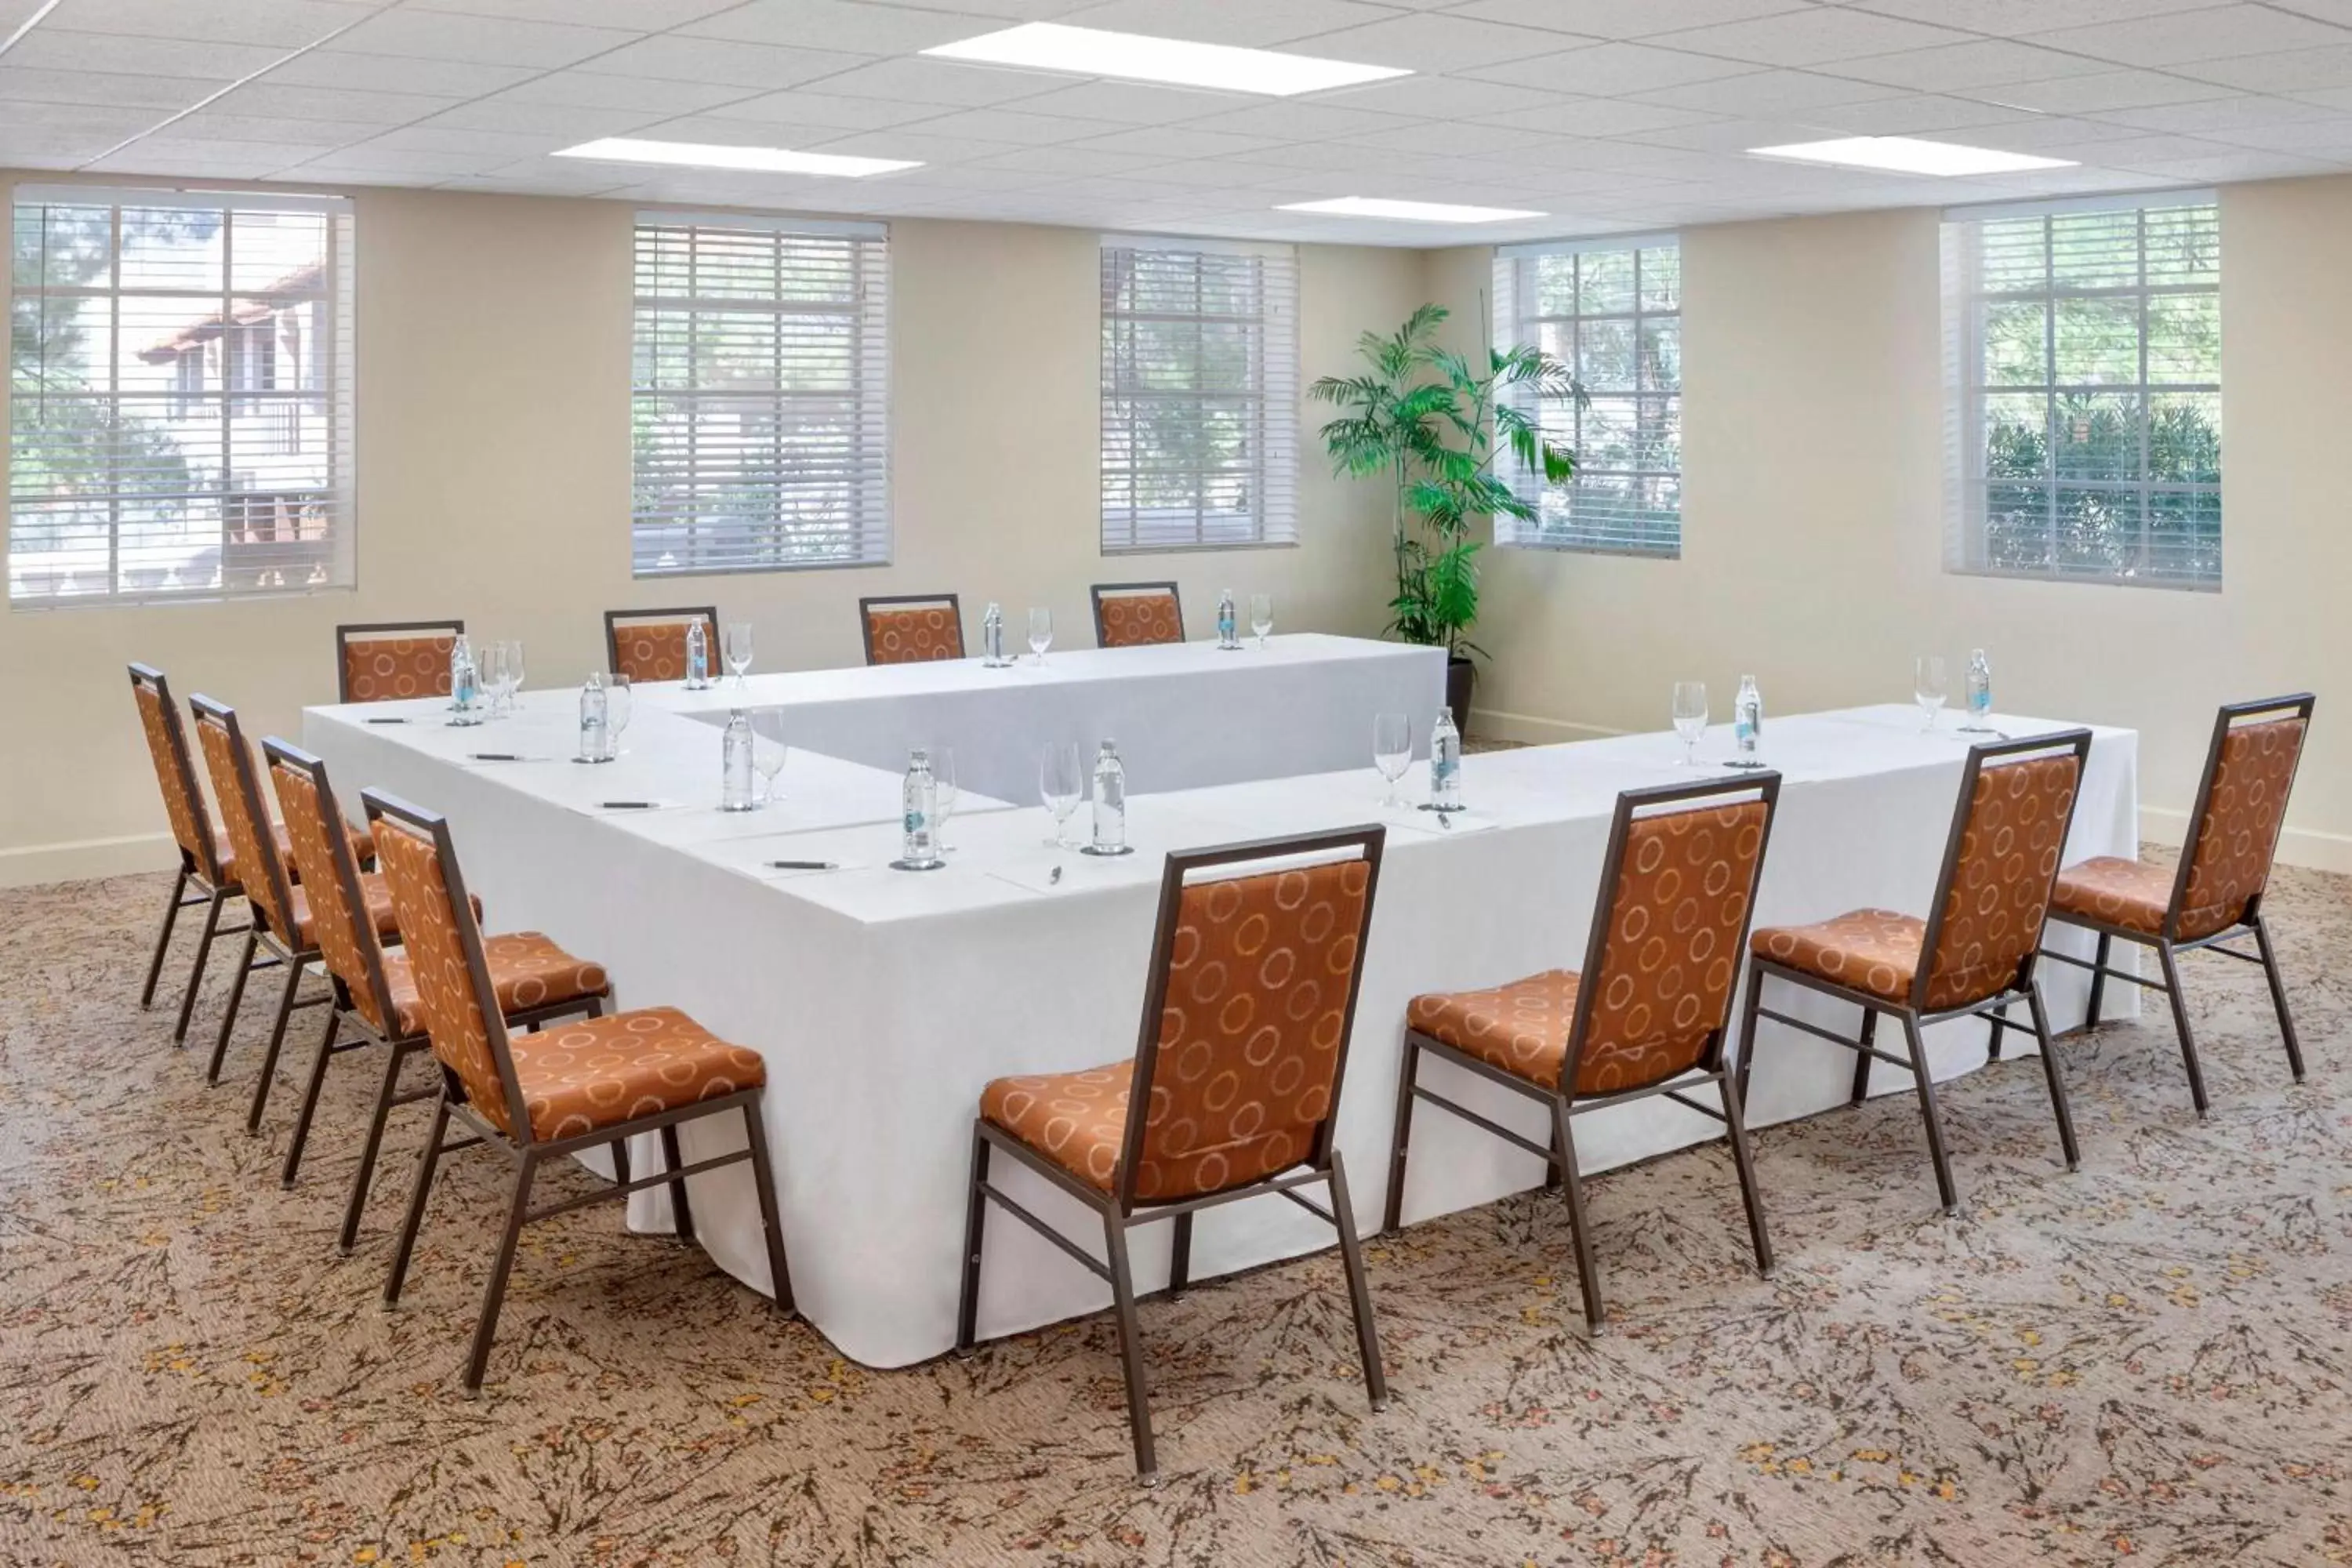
(626, 805)
(387, 720)
(803, 865)
(493, 757)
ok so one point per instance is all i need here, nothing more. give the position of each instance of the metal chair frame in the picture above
(198, 880)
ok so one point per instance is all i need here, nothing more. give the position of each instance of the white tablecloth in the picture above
(884, 1001)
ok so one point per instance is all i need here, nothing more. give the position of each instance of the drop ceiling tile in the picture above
(2339, 98)
(1923, 114)
(80, 122)
(1250, 24)
(948, 84)
(2327, 138)
(209, 165)
(1609, 69)
(1495, 145)
(2336, 11)
(2294, 70)
(1179, 142)
(272, 97)
(480, 40)
(161, 93)
(596, 89)
(370, 160)
(568, 122)
(709, 63)
(2098, 93)
(2054, 136)
(2012, 17)
(1440, 97)
(279, 24)
(1135, 103)
(912, 141)
(2148, 152)
(2190, 38)
(335, 67)
(1069, 161)
(1597, 117)
(1768, 94)
(788, 111)
(1625, 18)
(1956, 68)
(56, 49)
(1425, 42)
(1728, 136)
(2246, 165)
(1810, 38)
(636, 15)
(1293, 122)
(865, 28)
(484, 147)
(215, 124)
(2220, 116)
(1012, 126)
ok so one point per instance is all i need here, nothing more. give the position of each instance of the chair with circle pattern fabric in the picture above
(1137, 614)
(2216, 892)
(1233, 1089)
(1647, 1015)
(911, 628)
(650, 645)
(1973, 956)
(389, 662)
(542, 1097)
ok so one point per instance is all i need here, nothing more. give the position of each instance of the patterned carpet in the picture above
(2148, 1363)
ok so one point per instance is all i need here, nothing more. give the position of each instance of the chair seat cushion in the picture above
(581, 1077)
(2132, 894)
(1521, 1027)
(1872, 951)
(1078, 1121)
(527, 971)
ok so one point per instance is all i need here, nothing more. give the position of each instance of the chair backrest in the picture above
(2241, 807)
(1131, 614)
(1252, 997)
(910, 628)
(339, 924)
(384, 661)
(167, 744)
(2008, 838)
(443, 944)
(229, 763)
(1677, 895)
(650, 645)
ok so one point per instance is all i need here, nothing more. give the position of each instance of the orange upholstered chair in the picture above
(1973, 956)
(1648, 1013)
(1234, 1088)
(386, 661)
(375, 989)
(1133, 615)
(542, 1097)
(650, 645)
(2216, 892)
(911, 628)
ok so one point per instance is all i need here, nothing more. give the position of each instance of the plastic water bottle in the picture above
(697, 658)
(1444, 764)
(464, 683)
(1747, 723)
(1980, 693)
(1229, 633)
(992, 637)
(593, 737)
(735, 763)
(1109, 801)
(919, 849)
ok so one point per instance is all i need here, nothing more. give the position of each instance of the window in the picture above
(179, 396)
(760, 412)
(1610, 309)
(2084, 398)
(1200, 395)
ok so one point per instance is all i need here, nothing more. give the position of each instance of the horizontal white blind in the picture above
(1200, 395)
(1611, 311)
(2083, 362)
(761, 395)
(179, 396)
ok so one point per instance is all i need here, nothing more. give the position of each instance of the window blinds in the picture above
(1200, 395)
(761, 413)
(1610, 310)
(179, 396)
(2084, 391)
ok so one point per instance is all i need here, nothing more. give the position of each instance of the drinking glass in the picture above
(1392, 750)
(1927, 685)
(1041, 632)
(768, 751)
(944, 795)
(738, 640)
(1690, 717)
(1062, 783)
(514, 670)
(618, 699)
(493, 675)
(1262, 617)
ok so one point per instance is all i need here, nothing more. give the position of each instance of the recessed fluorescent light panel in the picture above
(1410, 212)
(1137, 56)
(1909, 155)
(718, 155)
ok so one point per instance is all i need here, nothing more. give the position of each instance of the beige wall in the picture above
(494, 484)
(1812, 527)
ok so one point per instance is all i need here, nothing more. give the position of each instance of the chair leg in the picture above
(494, 1293)
(277, 1043)
(426, 1161)
(681, 1211)
(164, 937)
(365, 1177)
(780, 1274)
(228, 1011)
(1130, 1348)
(196, 969)
(2173, 994)
(976, 1227)
(2049, 1069)
(1587, 1272)
(620, 1148)
(2278, 995)
(1180, 1256)
(1743, 1161)
(1862, 1059)
(2098, 980)
(1748, 1010)
(311, 1096)
(1394, 1210)
(1944, 1186)
(1359, 1295)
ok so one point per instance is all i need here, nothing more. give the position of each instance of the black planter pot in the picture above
(1461, 675)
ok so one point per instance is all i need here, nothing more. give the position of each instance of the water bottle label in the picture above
(914, 822)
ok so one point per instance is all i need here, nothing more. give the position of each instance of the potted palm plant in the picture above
(1435, 425)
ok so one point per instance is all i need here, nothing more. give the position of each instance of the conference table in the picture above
(883, 1001)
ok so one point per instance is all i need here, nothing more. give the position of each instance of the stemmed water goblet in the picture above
(1041, 632)
(1927, 686)
(944, 795)
(768, 750)
(1062, 783)
(1391, 751)
(737, 641)
(1690, 717)
(1262, 617)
